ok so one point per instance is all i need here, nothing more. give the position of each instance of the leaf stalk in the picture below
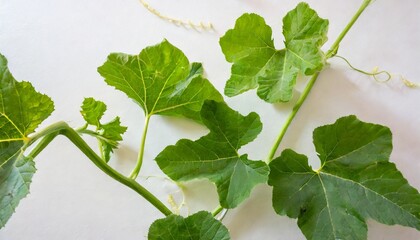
(135, 173)
(217, 211)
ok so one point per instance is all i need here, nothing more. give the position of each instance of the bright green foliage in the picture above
(215, 156)
(356, 181)
(108, 134)
(257, 63)
(161, 80)
(200, 226)
(92, 111)
(22, 109)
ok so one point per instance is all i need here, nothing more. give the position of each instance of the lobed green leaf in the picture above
(256, 61)
(356, 181)
(215, 156)
(200, 226)
(22, 109)
(161, 80)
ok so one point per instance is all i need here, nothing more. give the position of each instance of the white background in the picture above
(57, 45)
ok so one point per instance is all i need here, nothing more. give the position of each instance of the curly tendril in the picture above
(179, 22)
(375, 73)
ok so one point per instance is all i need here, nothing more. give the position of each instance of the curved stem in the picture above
(63, 129)
(330, 53)
(134, 174)
(42, 144)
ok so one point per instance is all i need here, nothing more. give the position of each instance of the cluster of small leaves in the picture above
(108, 134)
(22, 109)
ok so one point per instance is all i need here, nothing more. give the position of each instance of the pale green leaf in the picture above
(22, 109)
(161, 80)
(92, 111)
(355, 182)
(215, 156)
(109, 134)
(112, 131)
(256, 61)
(200, 226)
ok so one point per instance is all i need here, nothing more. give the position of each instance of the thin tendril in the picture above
(179, 22)
(374, 73)
(409, 83)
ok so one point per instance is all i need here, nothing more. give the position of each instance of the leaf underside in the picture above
(200, 226)
(215, 156)
(22, 109)
(258, 64)
(161, 80)
(356, 182)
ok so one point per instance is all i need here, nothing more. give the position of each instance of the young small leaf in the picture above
(92, 111)
(112, 131)
(215, 156)
(356, 181)
(161, 80)
(257, 63)
(200, 226)
(22, 109)
(108, 134)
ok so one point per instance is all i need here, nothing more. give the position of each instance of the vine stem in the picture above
(336, 44)
(62, 128)
(292, 115)
(135, 173)
(330, 53)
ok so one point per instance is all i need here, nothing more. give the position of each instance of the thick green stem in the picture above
(330, 53)
(53, 129)
(42, 144)
(63, 129)
(134, 174)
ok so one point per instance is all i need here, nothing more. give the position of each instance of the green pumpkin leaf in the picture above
(161, 80)
(256, 61)
(200, 226)
(215, 156)
(22, 109)
(108, 134)
(355, 182)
